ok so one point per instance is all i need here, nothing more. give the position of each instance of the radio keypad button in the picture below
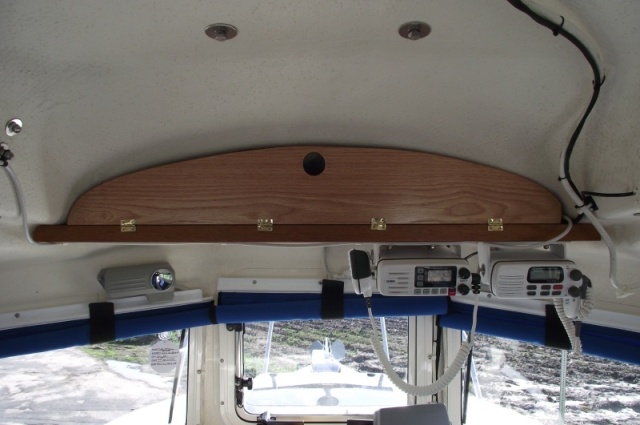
(417, 291)
(546, 287)
(544, 293)
(554, 293)
(531, 293)
(532, 287)
(557, 287)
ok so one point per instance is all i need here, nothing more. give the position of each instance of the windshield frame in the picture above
(416, 373)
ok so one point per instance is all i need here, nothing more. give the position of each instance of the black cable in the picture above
(597, 80)
(467, 379)
(438, 344)
(471, 255)
(609, 195)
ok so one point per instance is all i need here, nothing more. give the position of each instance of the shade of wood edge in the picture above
(436, 233)
(358, 184)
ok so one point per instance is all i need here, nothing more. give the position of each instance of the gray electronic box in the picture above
(419, 414)
(155, 281)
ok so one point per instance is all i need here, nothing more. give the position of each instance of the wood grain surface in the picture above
(357, 184)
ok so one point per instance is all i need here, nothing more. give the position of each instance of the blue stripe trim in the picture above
(34, 339)
(615, 344)
(239, 307)
(163, 320)
(244, 308)
(506, 324)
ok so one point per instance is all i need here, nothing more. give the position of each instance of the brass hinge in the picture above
(495, 225)
(265, 225)
(128, 225)
(378, 224)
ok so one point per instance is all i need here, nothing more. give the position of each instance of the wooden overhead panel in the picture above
(317, 194)
(317, 185)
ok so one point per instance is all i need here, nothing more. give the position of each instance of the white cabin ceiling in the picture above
(106, 88)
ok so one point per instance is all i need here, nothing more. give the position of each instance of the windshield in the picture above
(127, 382)
(321, 367)
(513, 381)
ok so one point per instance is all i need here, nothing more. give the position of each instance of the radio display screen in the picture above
(441, 276)
(545, 275)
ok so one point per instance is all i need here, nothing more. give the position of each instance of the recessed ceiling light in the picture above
(221, 32)
(414, 30)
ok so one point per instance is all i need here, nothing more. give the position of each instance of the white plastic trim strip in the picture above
(44, 316)
(256, 284)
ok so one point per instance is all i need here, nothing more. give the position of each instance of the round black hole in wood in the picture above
(313, 164)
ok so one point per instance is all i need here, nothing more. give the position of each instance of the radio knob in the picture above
(463, 289)
(574, 292)
(464, 273)
(575, 275)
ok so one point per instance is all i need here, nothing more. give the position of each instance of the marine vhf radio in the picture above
(532, 274)
(412, 270)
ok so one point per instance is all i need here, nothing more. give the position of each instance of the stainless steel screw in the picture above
(13, 127)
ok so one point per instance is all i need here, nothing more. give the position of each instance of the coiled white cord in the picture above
(587, 305)
(443, 381)
(21, 203)
(567, 322)
(568, 325)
